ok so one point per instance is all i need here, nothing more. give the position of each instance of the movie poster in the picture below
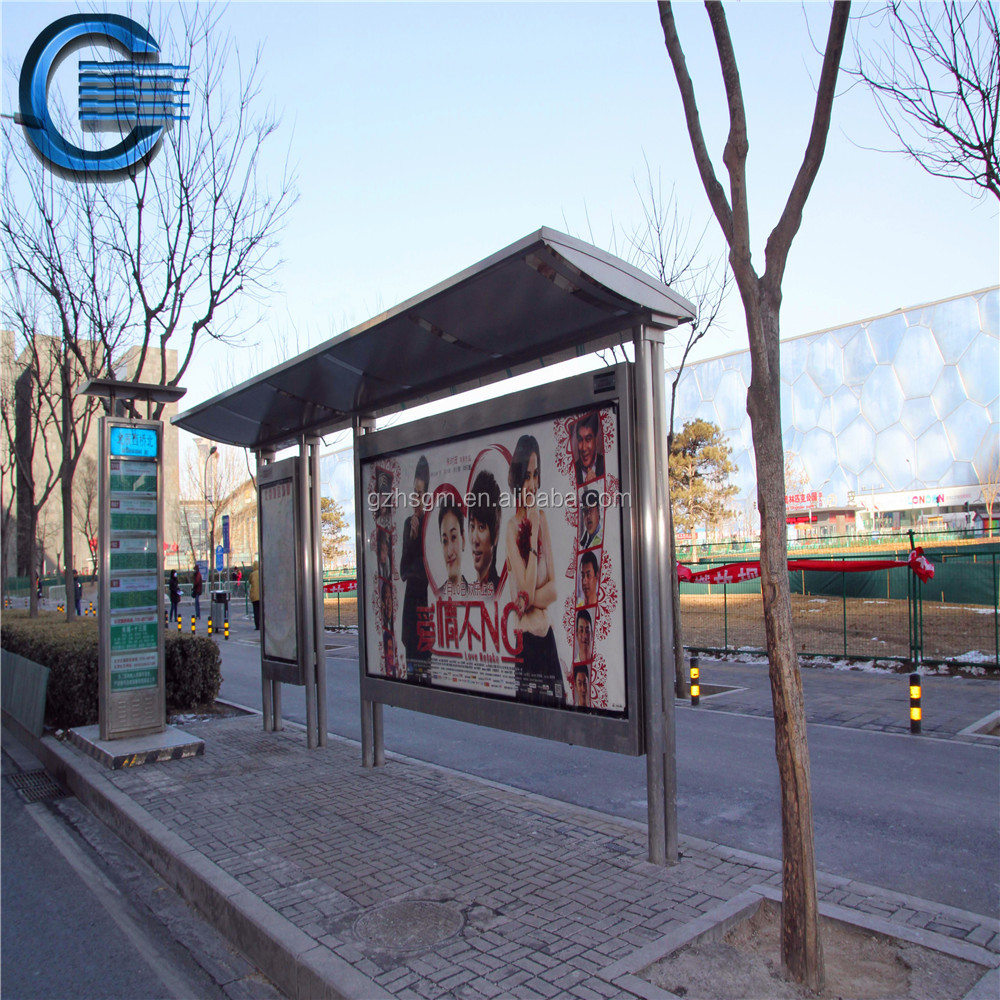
(277, 512)
(494, 563)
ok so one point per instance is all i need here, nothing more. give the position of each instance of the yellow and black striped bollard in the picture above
(695, 682)
(226, 623)
(178, 621)
(916, 712)
(209, 624)
(192, 624)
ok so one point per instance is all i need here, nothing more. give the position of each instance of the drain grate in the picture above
(35, 786)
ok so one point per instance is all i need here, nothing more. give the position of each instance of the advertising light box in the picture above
(497, 565)
(281, 571)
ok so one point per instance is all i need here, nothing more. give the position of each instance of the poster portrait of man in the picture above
(589, 576)
(589, 456)
(590, 519)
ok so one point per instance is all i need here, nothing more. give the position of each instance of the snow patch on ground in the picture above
(962, 607)
(959, 666)
(972, 656)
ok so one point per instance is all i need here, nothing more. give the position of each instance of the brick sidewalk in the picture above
(417, 882)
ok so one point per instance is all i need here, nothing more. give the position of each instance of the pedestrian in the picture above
(255, 594)
(196, 591)
(38, 586)
(174, 589)
(77, 592)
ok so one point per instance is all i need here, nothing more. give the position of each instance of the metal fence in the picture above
(955, 616)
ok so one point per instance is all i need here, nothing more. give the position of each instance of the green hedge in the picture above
(192, 665)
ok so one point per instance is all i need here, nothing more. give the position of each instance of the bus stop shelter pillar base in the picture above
(272, 705)
(372, 741)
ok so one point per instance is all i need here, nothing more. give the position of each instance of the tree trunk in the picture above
(801, 949)
(67, 502)
(66, 485)
(32, 570)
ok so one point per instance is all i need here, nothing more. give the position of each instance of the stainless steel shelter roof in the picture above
(546, 298)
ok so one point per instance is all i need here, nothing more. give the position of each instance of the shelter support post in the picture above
(319, 629)
(372, 743)
(308, 606)
(270, 688)
(657, 622)
(668, 582)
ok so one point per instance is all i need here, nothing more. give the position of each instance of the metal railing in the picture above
(884, 614)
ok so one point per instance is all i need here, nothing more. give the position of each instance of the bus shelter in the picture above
(548, 618)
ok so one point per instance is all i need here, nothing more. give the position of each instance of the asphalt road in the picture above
(70, 930)
(919, 816)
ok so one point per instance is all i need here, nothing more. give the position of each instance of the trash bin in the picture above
(220, 612)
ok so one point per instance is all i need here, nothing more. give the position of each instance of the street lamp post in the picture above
(204, 491)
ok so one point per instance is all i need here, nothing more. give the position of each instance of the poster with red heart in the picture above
(493, 564)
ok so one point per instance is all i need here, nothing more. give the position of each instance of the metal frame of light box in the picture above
(619, 734)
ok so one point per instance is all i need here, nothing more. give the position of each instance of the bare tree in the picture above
(663, 245)
(936, 81)
(28, 418)
(796, 477)
(801, 948)
(57, 290)
(196, 233)
(8, 458)
(185, 516)
(85, 504)
(217, 482)
(158, 261)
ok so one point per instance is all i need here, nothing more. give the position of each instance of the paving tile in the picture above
(536, 925)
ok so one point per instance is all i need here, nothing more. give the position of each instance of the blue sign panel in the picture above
(134, 442)
(219, 557)
(225, 532)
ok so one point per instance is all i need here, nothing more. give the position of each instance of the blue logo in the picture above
(141, 95)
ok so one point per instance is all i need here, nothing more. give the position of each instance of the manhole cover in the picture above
(35, 786)
(411, 925)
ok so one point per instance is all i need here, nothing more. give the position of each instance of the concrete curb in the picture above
(294, 962)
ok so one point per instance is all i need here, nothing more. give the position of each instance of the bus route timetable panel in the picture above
(131, 615)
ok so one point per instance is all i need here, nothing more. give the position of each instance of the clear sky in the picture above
(428, 136)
